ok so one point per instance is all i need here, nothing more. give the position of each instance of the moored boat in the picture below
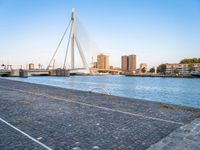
(196, 74)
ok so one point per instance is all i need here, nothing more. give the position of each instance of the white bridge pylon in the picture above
(74, 40)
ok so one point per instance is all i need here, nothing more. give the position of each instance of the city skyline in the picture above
(157, 32)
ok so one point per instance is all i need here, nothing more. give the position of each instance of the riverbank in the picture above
(162, 76)
(66, 119)
(178, 91)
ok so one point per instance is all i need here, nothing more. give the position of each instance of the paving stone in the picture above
(67, 119)
(181, 140)
(11, 139)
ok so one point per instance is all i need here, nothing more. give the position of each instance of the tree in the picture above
(195, 60)
(191, 60)
(143, 70)
(161, 68)
(184, 61)
(152, 70)
(176, 71)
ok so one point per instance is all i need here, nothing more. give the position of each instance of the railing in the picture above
(2, 71)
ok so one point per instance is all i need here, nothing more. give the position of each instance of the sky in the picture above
(157, 31)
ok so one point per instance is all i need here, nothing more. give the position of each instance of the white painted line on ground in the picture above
(25, 134)
(90, 105)
(114, 110)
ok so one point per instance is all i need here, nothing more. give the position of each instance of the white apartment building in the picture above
(182, 68)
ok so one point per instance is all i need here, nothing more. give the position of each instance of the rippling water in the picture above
(181, 91)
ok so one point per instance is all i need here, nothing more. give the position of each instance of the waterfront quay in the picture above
(160, 75)
(34, 116)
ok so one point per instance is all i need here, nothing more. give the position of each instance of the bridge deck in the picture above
(43, 117)
(4, 72)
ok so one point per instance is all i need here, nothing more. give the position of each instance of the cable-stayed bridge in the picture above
(77, 42)
(73, 45)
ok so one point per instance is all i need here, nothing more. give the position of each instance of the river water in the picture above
(181, 91)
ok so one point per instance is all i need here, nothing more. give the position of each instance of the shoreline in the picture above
(49, 81)
(161, 76)
(93, 92)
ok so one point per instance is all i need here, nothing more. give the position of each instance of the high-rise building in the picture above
(128, 63)
(103, 61)
(31, 66)
(124, 63)
(132, 63)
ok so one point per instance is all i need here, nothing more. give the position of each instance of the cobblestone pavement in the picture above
(71, 119)
(184, 138)
(10, 139)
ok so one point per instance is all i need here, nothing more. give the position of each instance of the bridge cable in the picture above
(81, 53)
(85, 40)
(64, 65)
(59, 44)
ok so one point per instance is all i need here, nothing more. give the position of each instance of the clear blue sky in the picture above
(157, 31)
